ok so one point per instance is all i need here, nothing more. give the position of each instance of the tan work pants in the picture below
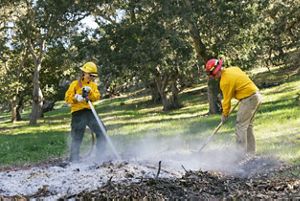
(244, 123)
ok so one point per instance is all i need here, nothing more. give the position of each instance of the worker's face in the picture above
(218, 75)
(89, 77)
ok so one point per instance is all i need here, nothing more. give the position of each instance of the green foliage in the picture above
(139, 41)
(147, 45)
(282, 34)
(55, 70)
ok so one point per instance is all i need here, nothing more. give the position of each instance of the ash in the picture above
(66, 179)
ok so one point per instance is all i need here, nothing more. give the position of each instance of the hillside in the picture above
(145, 136)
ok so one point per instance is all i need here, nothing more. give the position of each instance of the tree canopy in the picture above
(158, 45)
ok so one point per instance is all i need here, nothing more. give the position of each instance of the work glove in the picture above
(86, 88)
(85, 91)
(224, 118)
(78, 98)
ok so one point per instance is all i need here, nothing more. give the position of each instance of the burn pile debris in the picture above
(197, 185)
(255, 178)
(280, 183)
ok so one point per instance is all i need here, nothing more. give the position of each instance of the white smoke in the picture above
(140, 159)
(178, 152)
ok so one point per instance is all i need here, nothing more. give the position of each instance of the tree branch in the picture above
(158, 171)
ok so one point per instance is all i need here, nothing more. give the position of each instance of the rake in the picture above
(207, 141)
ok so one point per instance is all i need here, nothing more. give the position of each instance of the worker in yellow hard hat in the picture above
(76, 96)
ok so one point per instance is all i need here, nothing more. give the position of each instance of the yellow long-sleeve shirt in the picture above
(76, 88)
(235, 83)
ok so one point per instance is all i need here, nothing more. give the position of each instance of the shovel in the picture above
(215, 131)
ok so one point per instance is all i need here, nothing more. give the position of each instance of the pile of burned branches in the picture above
(202, 185)
(255, 178)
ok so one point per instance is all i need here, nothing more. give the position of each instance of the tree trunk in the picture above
(13, 104)
(169, 102)
(161, 83)
(174, 101)
(202, 55)
(166, 103)
(37, 96)
(16, 105)
(155, 95)
(19, 108)
(199, 46)
(213, 92)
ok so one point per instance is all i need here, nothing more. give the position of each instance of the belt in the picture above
(255, 93)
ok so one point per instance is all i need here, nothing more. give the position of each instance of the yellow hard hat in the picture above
(90, 67)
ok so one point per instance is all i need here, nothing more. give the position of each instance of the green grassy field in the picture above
(277, 123)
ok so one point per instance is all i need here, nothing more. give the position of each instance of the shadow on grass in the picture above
(276, 77)
(277, 105)
(127, 111)
(139, 122)
(119, 104)
(5, 128)
(21, 127)
(283, 89)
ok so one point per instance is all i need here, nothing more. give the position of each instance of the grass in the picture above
(277, 124)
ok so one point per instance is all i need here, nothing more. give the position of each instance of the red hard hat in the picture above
(213, 66)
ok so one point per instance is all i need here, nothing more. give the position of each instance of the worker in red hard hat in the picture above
(235, 83)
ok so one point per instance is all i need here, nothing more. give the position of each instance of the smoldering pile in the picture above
(145, 180)
(199, 185)
(257, 177)
(65, 179)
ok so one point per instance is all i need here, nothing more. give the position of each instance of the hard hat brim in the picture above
(83, 70)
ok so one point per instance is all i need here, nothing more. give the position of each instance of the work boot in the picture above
(74, 152)
(246, 159)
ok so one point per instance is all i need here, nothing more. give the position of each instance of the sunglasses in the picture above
(93, 76)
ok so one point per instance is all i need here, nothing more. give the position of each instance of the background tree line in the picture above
(159, 45)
